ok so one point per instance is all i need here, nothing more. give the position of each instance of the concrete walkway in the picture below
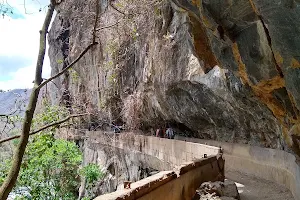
(253, 188)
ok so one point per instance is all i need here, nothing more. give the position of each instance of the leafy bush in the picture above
(49, 169)
(91, 173)
(50, 114)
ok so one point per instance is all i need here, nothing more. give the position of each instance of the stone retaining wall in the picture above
(179, 184)
(271, 164)
(174, 152)
(193, 164)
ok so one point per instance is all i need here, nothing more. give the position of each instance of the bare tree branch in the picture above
(81, 54)
(109, 26)
(68, 67)
(44, 127)
(96, 20)
(7, 121)
(10, 114)
(115, 8)
(118, 10)
(12, 176)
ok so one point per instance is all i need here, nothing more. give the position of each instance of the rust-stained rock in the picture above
(221, 70)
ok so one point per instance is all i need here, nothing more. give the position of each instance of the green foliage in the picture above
(112, 79)
(16, 141)
(49, 169)
(60, 61)
(134, 34)
(13, 119)
(49, 115)
(109, 65)
(119, 5)
(102, 103)
(91, 173)
(111, 48)
(4, 167)
(74, 75)
(157, 11)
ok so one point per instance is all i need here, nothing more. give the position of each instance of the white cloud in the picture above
(20, 37)
(20, 79)
(23, 78)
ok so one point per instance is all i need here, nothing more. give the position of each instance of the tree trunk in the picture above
(10, 180)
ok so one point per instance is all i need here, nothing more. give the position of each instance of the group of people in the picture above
(165, 133)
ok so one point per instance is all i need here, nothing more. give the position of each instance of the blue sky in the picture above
(19, 42)
(10, 11)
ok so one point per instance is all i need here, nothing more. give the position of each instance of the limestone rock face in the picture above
(223, 70)
(116, 165)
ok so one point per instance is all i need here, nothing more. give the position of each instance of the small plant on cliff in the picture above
(60, 61)
(111, 48)
(74, 75)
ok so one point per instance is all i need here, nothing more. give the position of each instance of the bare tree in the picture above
(10, 180)
(124, 15)
(10, 120)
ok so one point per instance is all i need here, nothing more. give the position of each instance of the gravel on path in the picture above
(254, 188)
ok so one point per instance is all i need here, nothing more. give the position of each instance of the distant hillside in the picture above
(14, 100)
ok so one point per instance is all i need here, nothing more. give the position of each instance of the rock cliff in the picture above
(224, 70)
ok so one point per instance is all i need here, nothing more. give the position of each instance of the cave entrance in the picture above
(112, 170)
(180, 128)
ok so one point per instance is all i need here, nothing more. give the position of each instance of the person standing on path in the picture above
(170, 133)
(159, 133)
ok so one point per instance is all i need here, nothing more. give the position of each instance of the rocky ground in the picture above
(243, 187)
(226, 190)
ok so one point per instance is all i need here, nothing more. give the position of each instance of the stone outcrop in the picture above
(117, 165)
(224, 70)
(217, 190)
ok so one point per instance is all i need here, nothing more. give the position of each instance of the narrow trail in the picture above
(253, 188)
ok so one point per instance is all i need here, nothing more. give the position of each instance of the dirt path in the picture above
(252, 188)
